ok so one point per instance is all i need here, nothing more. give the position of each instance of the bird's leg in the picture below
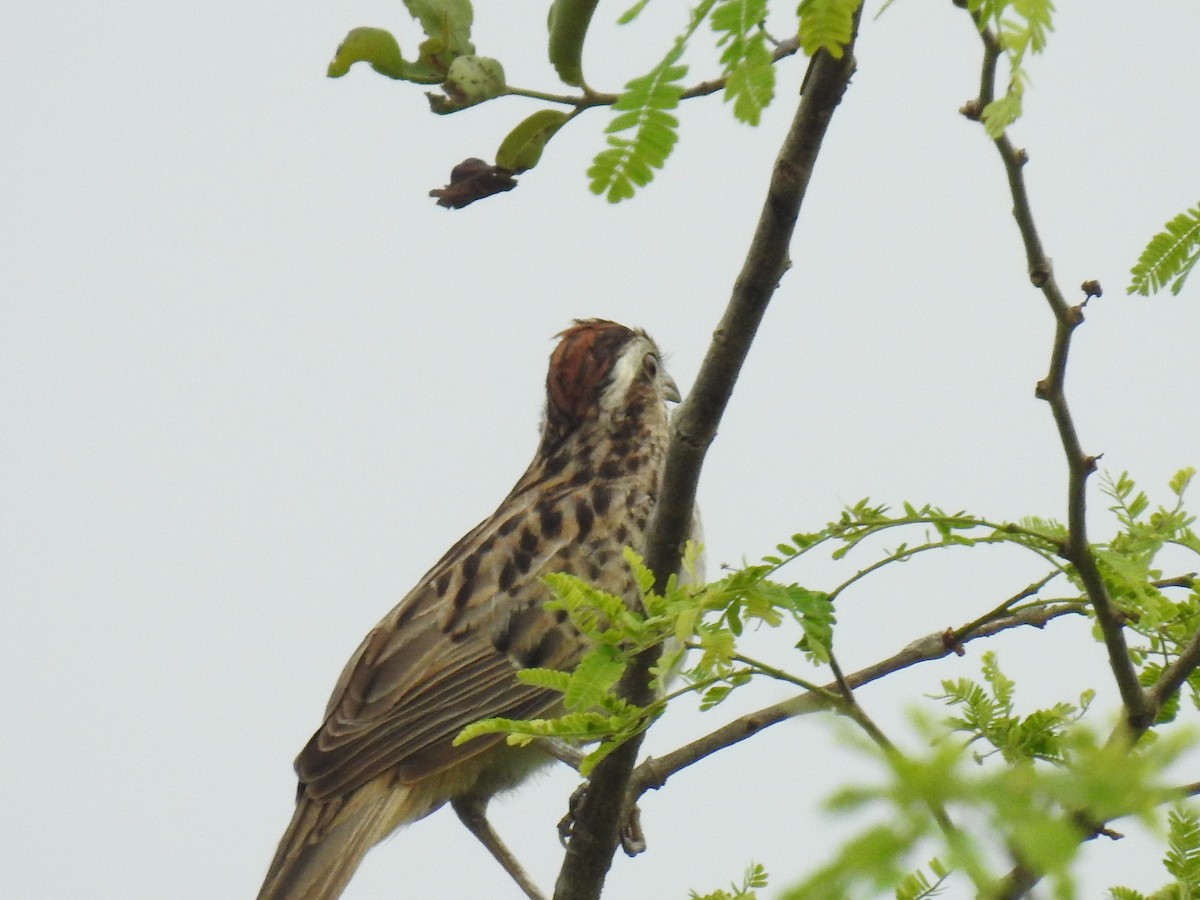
(472, 812)
(633, 839)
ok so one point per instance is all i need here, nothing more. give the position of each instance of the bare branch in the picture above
(598, 818)
(1051, 389)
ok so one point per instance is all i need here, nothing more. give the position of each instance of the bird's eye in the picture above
(650, 365)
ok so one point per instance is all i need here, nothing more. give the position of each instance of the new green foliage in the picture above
(1169, 257)
(918, 886)
(747, 64)
(754, 877)
(1030, 776)
(1129, 564)
(986, 714)
(826, 25)
(1182, 860)
(629, 162)
(1020, 27)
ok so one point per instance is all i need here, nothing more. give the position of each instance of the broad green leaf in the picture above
(568, 23)
(374, 46)
(522, 147)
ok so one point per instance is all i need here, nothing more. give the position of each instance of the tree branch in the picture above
(1052, 389)
(1140, 708)
(653, 773)
(598, 817)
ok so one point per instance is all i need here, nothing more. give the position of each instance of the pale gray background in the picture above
(255, 382)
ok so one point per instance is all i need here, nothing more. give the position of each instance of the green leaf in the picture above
(446, 23)
(1017, 35)
(1001, 113)
(568, 23)
(447, 27)
(1180, 481)
(641, 574)
(551, 679)
(594, 678)
(917, 886)
(748, 68)
(377, 48)
(1169, 257)
(522, 147)
(598, 615)
(826, 25)
(632, 13)
(754, 877)
(1183, 856)
(714, 695)
(629, 162)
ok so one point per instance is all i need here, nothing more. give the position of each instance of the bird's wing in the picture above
(445, 657)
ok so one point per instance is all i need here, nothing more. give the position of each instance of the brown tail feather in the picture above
(326, 841)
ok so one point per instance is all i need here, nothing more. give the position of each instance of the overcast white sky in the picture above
(254, 383)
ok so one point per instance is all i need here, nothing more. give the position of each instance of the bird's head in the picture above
(604, 373)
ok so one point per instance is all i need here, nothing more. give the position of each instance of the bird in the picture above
(447, 654)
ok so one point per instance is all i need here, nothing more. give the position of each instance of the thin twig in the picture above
(1023, 594)
(1173, 677)
(598, 817)
(590, 99)
(1180, 581)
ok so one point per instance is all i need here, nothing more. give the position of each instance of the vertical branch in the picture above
(598, 817)
(1052, 389)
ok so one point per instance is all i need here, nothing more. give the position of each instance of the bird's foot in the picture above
(633, 839)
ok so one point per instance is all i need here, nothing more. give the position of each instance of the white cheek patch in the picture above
(624, 371)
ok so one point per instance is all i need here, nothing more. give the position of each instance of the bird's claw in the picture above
(633, 839)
